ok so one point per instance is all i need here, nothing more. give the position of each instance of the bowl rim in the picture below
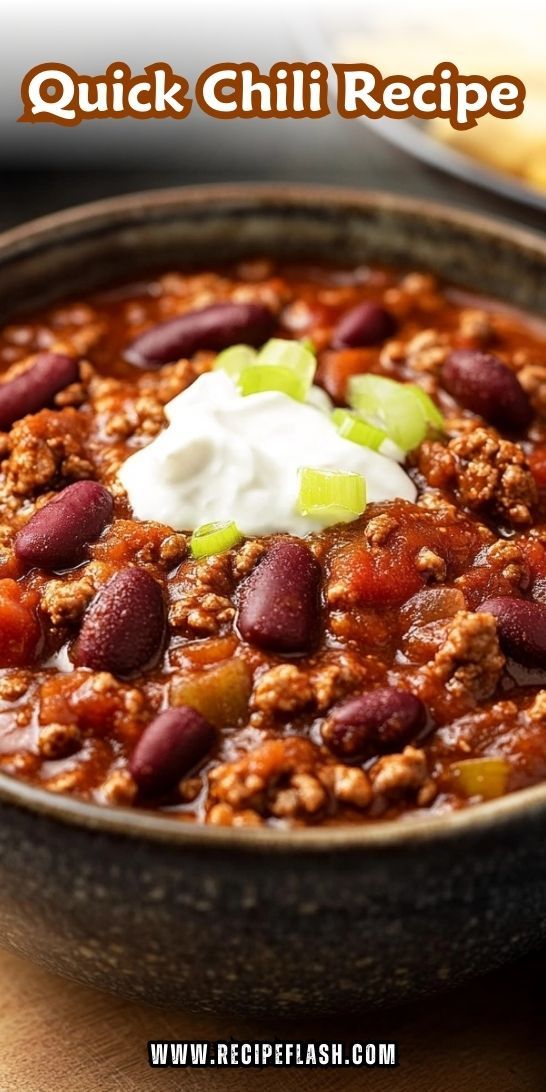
(379, 835)
(258, 195)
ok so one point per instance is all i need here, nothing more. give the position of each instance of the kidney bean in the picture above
(382, 720)
(36, 387)
(124, 628)
(521, 626)
(279, 602)
(57, 535)
(169, 747)
(366, 324)
(213, 327)
(483, 384)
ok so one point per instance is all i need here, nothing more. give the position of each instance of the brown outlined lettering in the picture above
(362, 91)
(242, 91)
(55, 92)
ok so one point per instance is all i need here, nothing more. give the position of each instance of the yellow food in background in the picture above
(514, 146)
(517, 147)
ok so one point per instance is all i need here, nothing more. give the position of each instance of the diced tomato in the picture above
(458, 543)
(210, 651)
(390, 576)
(74, 698)
(337, 367)
(98, 712)
(124, 541)
(55, 694)
(484, 582)
(535, 556)
(365, 625)
(10, 566)
(19, 628)
(537, 462)
(383, 580)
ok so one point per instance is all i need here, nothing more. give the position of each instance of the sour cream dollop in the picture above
(225, 457)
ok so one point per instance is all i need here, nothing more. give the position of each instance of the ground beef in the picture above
(337, 674)
(119, 788)
(172, 550)
(64, 601)
(257, 779)
(286, 779)
(201, 596)
(537, 710)
(508, 557)
(120, 416)
(427, 351)
(285, 688)
(67, 781)
(398, 590)
(58, 740)
(223, 815)
(533, 380)
(398, 775)
(13, 684)
(380, 528)
(468, 665)
(45, 450)
(476, 326)
(248, 556)
(484, 471)
(431, 564)
(348, 785)
(80, 341)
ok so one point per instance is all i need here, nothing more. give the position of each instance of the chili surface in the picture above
(131, 673)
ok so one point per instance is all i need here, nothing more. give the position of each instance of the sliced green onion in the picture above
(430, 409)
(404, 414)
(258, 378)
(234, 360)
(280, 365)
(308, 343)
(331, 496)
(214, 538)
(354, 428)
(294, 355)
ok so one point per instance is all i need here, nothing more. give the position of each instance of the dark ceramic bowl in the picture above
(268, 921)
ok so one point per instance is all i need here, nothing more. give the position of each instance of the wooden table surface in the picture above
(56, 1036)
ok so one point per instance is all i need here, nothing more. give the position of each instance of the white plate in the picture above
(317, 35)
(412, 137)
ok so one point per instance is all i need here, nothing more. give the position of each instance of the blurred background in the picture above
(500, 166)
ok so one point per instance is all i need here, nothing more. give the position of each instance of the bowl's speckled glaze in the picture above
(267, 921)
